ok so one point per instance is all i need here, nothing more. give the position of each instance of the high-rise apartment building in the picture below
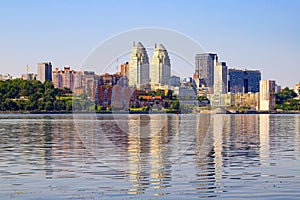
(66, 78)
(205, 64)
(160, 66)
(220, 78)
(138, 67)
(243, 81)
(44, 71)
(267, 95)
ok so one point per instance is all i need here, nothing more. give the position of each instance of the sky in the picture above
(257, 34)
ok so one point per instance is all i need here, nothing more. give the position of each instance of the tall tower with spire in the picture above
(160, 66)
(138, 67)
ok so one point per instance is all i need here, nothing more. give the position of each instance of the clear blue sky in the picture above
(246, 34)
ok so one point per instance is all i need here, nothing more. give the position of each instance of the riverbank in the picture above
(150, 112)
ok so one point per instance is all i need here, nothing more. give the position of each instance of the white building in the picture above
(4, 77)
(267, 95)
(160, 66)
(138, 67)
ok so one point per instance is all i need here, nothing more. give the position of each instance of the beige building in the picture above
(138, 67)
(44, 72)
(160, 66)
(220, 78)
(267, 95)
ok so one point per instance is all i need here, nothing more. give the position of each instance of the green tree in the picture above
(49, 106)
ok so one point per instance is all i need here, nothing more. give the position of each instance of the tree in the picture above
(48, 106)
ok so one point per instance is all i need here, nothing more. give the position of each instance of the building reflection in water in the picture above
(205, 156)
(161, 143)
(264, 134)
(297, 135)
(138, 153)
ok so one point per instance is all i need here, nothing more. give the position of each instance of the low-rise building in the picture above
(4, 77)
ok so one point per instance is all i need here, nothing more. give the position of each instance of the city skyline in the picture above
(254, 35)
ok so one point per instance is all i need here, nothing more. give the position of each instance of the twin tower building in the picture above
(139, 70)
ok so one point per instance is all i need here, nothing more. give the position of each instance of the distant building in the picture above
(185, 92)
(243, 81)
(66, 78)
(4, 77)
(125, 69)
(117, 96)
(297, 88)
(44, 71)
(220, 78)
(174, 81)
(267, 95)
(221, 100)
(90, 82)
(205, 64)
(160, 66)
(29, 76)
(138, 67)
(277, 88)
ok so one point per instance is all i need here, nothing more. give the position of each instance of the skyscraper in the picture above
(138, 67)
(160, 66)
(220, 78)
(205, 64)
(243, 81)
(267, 95)
(44, 71)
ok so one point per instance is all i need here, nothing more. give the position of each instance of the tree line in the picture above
(25, 95)
(285, 100)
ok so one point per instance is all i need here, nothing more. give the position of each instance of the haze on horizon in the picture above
(256, 34)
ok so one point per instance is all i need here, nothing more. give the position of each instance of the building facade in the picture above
(66, 78)
(160, 66)
(4, 77)
(243, 81)
(29, 76)
(44, 71)
(267, 95)
(220, 78)
(205, 64)
(138, 67)
(125, 69)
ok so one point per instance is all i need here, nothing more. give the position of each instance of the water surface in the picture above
(149, 156)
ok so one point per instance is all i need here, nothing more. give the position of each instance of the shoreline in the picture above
(141, 112)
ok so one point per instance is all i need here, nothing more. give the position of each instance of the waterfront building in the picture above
(90, 83)
(205, 64)
(117, 96)
(267, 95)
(44, 71)
(243, 81)
(138, 67)
(221, 100)
(160, 66)
(220, 78)
(66, 78)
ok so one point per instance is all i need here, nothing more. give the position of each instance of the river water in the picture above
(149, 156)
